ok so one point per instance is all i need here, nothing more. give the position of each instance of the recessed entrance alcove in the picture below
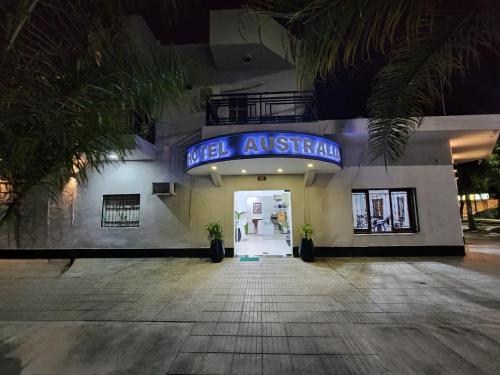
(262, 223)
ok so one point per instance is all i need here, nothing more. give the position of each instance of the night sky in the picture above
(477, 93)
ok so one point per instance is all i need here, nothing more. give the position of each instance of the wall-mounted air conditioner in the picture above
(163, 188)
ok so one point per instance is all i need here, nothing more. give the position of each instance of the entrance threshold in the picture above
(265, 256)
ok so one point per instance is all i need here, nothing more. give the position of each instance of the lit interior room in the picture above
(262, 223)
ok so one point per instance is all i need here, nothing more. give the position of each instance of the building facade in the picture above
(255, 158)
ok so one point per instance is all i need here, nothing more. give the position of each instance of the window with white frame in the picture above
(384, 211)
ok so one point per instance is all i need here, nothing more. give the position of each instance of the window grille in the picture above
(120, 210)
(384, 210)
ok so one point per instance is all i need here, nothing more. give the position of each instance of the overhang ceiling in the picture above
(473, 146)
(265, 166)
(242, 41)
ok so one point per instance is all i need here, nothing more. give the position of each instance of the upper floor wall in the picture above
(231, 31)
(439, 140)
(240, 40)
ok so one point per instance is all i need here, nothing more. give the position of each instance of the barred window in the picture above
(384, 210)
(120, 210)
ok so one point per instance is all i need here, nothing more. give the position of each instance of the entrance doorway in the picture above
(262, 223)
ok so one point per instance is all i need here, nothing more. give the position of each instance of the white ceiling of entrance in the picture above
(265, 166)
(259, 193)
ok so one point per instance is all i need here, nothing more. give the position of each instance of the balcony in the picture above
(261, 108)
(144, 126)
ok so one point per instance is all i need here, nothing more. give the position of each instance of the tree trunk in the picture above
(462, 203)
(470, 216)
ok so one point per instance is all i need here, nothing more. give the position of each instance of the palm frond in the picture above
(406, 89)
(67, 97)
(426, 40)
(334, 33)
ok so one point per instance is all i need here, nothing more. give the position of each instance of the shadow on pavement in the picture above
(9, 365)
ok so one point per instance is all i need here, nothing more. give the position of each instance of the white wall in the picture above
(178, 221)
(164, 221)
(235, 33)
(330, 207)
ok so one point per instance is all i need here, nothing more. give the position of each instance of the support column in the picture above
(216, 179)
(309, 177)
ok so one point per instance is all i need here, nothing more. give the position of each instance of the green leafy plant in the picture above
(238, 214)
(245, 227)
(215, 231)
(306, 231)
(71, 82)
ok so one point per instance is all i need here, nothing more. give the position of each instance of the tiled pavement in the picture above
(275, 316)
(483, 246)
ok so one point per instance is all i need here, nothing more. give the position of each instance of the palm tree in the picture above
(479, 177)
(425, 42)
(70, 84)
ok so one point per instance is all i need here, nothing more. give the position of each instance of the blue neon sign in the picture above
(263, 144)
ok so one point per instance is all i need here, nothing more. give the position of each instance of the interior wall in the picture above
(250, 214)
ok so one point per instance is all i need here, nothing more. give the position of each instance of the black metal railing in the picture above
(262, 108)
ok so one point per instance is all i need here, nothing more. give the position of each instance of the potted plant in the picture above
(239, 225)
(215, 236)
(306, 248)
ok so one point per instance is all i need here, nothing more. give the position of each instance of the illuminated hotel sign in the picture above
(263, 145)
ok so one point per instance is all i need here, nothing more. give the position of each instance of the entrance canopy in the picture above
(264, 153)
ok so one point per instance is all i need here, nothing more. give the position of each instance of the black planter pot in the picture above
(217, 251)
(306, 249)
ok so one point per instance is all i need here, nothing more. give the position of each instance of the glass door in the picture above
(263, 223)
